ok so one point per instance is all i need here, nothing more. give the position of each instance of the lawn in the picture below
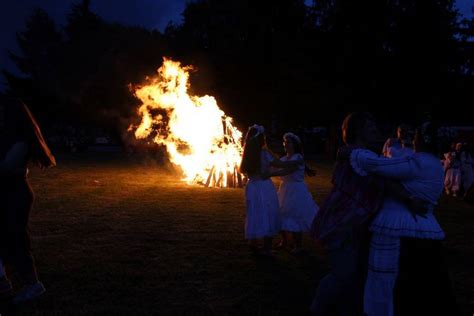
(113, 235)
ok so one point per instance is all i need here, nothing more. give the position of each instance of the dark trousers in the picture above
(15, 246)
(341, 291)
(423, 285)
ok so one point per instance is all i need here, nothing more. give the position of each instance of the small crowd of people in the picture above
(459, 170)
(291, 209)
(68, 138)
(377, 224)
(458, 162)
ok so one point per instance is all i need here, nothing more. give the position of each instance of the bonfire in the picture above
(199, 138)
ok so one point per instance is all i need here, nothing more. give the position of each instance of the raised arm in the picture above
(285, 167)
(366, 162)
(286, 164)
(282, 172)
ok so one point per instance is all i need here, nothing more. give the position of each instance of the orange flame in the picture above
(198, 136)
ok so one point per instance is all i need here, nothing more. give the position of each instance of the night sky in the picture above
(153, 14)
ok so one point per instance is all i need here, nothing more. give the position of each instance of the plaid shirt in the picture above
(352, 201)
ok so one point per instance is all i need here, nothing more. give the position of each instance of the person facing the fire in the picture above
(263, 216)
(21, 142)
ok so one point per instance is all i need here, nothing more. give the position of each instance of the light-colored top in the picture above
(390, 143)
(394, 152)
(452, 161)
(421, 175)
(297, 175)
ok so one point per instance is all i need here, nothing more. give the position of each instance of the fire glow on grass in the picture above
(198, 136)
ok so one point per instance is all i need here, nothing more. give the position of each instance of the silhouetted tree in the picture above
(301, 65)
(40, 46)
(86, 70)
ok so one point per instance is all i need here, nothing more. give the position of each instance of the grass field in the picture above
(116, 236)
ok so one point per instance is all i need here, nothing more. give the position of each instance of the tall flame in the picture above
(198, 136)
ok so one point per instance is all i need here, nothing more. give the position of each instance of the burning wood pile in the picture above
(198, 136)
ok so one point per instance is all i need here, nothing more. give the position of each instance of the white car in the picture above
(102, 140)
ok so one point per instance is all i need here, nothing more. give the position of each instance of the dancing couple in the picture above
(378, 227)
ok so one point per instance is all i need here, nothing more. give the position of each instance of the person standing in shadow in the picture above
(21, 143)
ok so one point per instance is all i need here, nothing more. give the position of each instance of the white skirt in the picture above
(395, 220)
(263, 217)
(453, 179)
(297, 207)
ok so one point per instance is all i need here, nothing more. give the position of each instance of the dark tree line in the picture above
(303, 65)
(81, 72)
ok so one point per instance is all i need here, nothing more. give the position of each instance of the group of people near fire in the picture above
(458, 163)
(377, 225)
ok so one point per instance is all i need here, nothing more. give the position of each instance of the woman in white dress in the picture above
(452, 167)
(467, 172)
(263, 215)
(297, 206)
(405, 247)
(397, 142)
(406, 148)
